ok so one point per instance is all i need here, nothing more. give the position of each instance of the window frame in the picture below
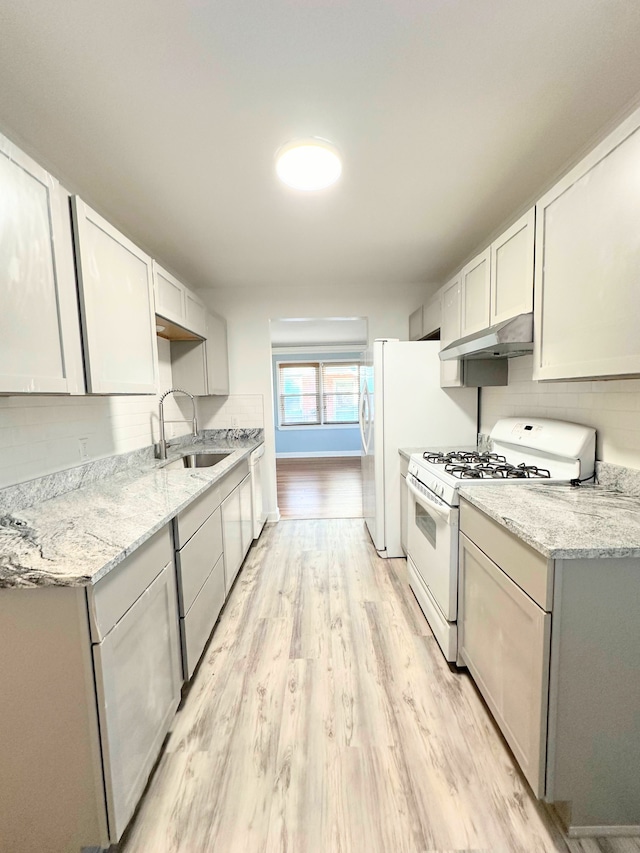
(321, 424)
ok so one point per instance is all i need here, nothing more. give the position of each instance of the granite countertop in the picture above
(77, 538)
(564, 522)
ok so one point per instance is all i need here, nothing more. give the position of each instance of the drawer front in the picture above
(197, 558)
(112, 596)
(530, 570)
(138, 681)
(504, 639)
(194, 516)
(197, 625)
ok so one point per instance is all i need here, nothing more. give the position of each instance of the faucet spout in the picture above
(163, 444)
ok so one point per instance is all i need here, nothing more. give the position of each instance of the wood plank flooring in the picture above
(325, 487)
(324, 719)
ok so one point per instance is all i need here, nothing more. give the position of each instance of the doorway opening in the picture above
(316, 394)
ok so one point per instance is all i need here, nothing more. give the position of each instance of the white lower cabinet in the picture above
(504, 639)
(196, 625)
(138, 681)
(232, 535)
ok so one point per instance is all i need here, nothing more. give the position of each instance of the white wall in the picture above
(248, 311)
(611, 406)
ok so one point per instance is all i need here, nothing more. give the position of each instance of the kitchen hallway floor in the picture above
(324, 719)
(325, 487)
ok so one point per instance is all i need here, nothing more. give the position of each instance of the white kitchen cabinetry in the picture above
(587, 262)
(202, 367)
(450, 317)
(246, 515)
(425, 320)
(504, 640)
(552, 646)
(475, 294)
(404, 504)
(91, 692)
(40, 349)
(169, 296)
(116, 301)
(512, 270)
(237, 529)
(195, 314)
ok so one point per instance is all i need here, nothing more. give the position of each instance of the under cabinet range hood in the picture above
(504, 340)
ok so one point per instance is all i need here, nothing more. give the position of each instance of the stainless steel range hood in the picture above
(504, 340)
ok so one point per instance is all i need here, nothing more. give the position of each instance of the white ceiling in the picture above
(451, 115)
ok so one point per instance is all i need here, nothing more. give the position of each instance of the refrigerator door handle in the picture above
(364, 407)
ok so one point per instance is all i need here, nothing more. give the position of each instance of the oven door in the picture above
(432, 544)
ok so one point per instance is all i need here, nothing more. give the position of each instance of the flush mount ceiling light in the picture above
(308, 164)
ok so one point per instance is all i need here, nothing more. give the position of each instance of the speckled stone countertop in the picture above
(564, 522)
(77, 538)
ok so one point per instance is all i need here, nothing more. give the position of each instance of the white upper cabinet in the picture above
(512, 270)
(217, 355)
(588, 265)
(169, 295)
(176, 303)
(475, 294)
(415, 325)
(40, 348)
(116, 300)
(195, 314)
(450, 371)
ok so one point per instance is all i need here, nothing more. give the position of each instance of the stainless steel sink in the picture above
(203, 460)
(196, 460)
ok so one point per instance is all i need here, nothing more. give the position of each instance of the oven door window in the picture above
(425, 524)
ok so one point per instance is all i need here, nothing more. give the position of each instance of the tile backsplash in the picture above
(611, 406)
(43, 434)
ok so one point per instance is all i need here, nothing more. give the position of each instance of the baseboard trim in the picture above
(599, 831)
(317, 454)
(273, 517)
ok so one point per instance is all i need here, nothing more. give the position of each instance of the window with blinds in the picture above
(317, 393)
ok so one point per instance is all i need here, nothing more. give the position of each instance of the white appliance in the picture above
(255, 469)
(524, 450)
(402, 405)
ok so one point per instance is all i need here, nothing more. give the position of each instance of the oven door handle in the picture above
(444, 511)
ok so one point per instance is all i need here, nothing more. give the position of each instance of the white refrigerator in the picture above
(402, 405)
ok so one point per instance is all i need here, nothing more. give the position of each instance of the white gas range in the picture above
(533, 450)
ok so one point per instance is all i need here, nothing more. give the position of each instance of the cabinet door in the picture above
(169, 296)
(404, 517)
(217, 357)
(232, 537)
(450, 371)
(475, 294)
(415, 325)
(195, 314)
(587, 262)
(39, 326)
(138, 679)
(116, 300)
(512, 270)
(431, 319)
(246, 514)
(504, 639)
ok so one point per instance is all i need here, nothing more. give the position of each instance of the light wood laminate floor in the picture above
(324, 719)
(326, 487)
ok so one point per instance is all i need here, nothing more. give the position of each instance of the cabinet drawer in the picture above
(195, 515)
(198, 623)
(197, 558)
(112, 596)
(530, 570)
(504, 639)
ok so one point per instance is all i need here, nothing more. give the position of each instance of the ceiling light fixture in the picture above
(308, 164)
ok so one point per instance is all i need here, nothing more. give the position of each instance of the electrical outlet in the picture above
(234, 421)
(83, 448)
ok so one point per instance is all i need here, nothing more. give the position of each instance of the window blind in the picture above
(340, 392)
(299, 393)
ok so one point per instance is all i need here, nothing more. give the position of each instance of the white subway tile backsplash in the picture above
(611, 406)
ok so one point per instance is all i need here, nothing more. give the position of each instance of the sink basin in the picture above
(203, 460)
(196, 460)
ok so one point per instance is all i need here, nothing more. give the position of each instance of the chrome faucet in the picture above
(163, 444)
